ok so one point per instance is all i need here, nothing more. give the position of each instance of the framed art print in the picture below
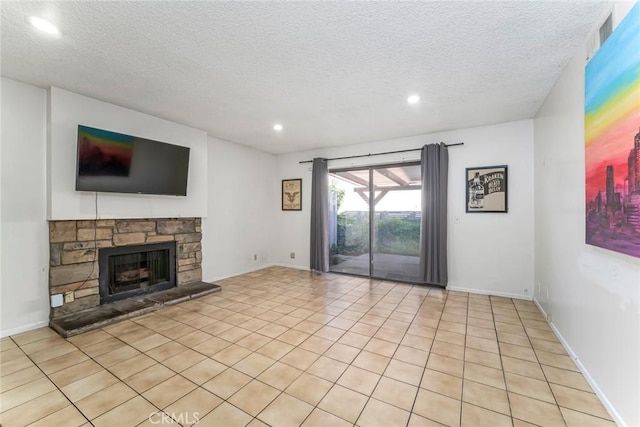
(292, 194)
(486, 189)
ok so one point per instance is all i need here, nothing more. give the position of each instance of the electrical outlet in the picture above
(56, 300)
(526, 291)
(292, 255)
(255, 257)
(68, 297)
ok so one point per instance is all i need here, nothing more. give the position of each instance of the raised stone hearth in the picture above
(74, 247)
(106, 314)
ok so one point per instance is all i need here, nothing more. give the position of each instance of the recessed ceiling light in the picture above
(277, 127)
(43, 25)
(413, 99)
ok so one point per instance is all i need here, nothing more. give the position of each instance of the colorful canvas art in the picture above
(612, 140)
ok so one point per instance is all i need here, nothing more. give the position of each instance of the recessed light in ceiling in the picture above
(277, 127)
(43, 25)
(413, 99)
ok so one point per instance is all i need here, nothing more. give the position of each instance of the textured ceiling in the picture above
(332, 73)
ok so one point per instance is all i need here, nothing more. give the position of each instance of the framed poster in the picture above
(292, 194)
(486, 189)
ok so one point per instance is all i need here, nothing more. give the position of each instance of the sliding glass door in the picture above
(396, 223)
(349, 230)
(375, 221)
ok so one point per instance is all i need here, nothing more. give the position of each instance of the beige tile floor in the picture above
(283, 347)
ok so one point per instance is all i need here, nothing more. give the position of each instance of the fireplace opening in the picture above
(127, 271)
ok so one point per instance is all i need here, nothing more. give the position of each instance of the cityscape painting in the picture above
(612, 140)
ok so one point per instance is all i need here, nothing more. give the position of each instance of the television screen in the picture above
(114, 162)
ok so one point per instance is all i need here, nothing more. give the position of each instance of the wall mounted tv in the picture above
(113, 162)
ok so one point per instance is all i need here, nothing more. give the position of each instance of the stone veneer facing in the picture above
(73, 256)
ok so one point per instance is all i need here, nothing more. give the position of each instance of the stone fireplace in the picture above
(77, 247)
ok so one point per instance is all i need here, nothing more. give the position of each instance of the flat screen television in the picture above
(118, 163)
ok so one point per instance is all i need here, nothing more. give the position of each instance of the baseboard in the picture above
(25, 328)
(603, 398)
(295, 267)
(544, 313)
(483, 292)
(238, 273)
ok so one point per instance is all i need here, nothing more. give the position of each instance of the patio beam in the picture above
(386, 188)
(379, 197)
(353, 178)
(392, 176)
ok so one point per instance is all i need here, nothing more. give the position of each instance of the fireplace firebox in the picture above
(128, 271)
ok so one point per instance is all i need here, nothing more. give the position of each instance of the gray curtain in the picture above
(320, 216)
(433, 225)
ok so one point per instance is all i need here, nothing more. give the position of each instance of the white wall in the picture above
(230, 186)
(241, 202)
(24, 289)
(67, 111)
(489, 252)
(591, 294)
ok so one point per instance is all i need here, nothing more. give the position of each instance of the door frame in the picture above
(371, 168)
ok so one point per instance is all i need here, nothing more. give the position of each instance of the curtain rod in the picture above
(379, 154)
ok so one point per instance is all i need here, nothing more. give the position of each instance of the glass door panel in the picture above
(396, 223)
(349, 222)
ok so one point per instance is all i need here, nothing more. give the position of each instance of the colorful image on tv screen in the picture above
(103, 153)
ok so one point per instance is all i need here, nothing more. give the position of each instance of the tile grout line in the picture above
(504, 374)
(390, 358)
(540, 364)
(279, 361)
(54, 384)
(546, 380)
(225, 400)
(297, 346)
(144, 352)
(363, 347)
(464, 356)
(281, 392)
(121, 380)
(351, 364)
(415, 399)
(385, 294)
